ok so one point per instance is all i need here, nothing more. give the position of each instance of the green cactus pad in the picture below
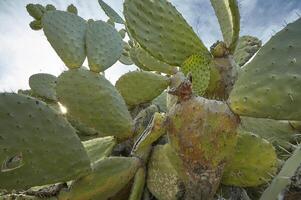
(112, 14)
(141, 87)
(283, 179)
(247, 46)
(72, 9)
(147, 62)
(199, 67)
(43, 85)
(104, 45)
(161, 101)
(66, 33)
(36, 25)
(253, 163)
(34, 11)
(109, 176)
(275, 131)
(37, 145)
(122, 33)
(99, 148)
(161, 30)
(93, 100)
(138, 185)
(126, 60)
(163, 180)
(269, 85)
(229, 19)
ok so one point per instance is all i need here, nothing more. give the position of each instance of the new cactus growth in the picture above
(188, 122)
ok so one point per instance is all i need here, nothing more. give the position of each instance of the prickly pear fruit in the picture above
(140, 87)
(72, 9)
(34, 11)
(108, 177)
(36, 25)
(104, 46)
(50, 7)
(66, 33)
(92, 100)
(110, 12)
(43, 85)
(199, 67)
(263, 90)
(170, 39)
(28, 128)
(253, 163)
(247, 46)
(229, 20)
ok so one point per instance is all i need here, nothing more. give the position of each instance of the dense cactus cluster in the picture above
(190, 123)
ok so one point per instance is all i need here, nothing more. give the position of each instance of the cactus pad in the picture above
(229, 19)
(253, 163)
(43, 85)
(269, 85)
(112, 14)
(109, 176)
(247, 46)
(104, 45)
(37, 144)
(199, 67)
(141, 87)
(93, 100)
(170, 39)
(163, 180)
(66, 33)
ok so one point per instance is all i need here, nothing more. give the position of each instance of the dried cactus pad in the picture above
(37, 144)
(104, 45)
(253, 163)
(43, 85)
(140, 87)
(229, 19)
(66, 33)
(199, 67)
(163, 180)
(110, 175)
(269, 85)
(112, 14)
(170, 39)
(92, 100)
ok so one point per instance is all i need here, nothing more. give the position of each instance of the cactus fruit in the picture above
(66, 33)
(263, 89)
(24, 123)
(199, 67)
(92, 100)
(36, 25)
(170, 39)
(43, 85)
(34, 11)
(50, 7)
(229, 19)
(254, 162)
(104, 46)
(141, 87)
(247, 46)
(72, 9)
(109, 176)
(112, 14)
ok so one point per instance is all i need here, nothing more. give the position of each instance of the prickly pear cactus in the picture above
(189, 124)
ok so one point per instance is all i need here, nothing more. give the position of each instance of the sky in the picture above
(24, 52)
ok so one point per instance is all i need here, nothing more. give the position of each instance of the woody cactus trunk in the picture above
(189, 123)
